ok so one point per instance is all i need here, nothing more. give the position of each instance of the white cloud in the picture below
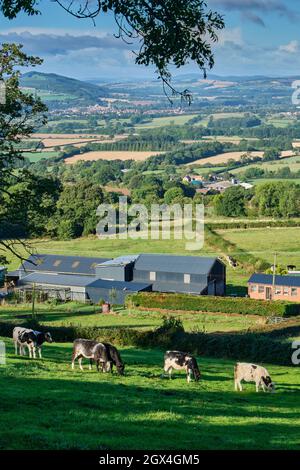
(233, 36)
(291, 48)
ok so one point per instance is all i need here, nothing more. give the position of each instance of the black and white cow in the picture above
(32, 339)
(103, 354)
(252, 373)
(179, 360)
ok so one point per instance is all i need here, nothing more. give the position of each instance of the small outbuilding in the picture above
(267, 287)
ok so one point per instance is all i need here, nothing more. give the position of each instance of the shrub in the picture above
(241, 305)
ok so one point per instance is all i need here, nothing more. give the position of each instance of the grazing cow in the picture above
(114, 358)
(30, 338)
(252, 373)
(181, 361)
(103, 354)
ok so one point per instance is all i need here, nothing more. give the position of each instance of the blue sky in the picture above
(261, 37)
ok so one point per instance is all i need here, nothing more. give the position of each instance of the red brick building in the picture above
(260, 286)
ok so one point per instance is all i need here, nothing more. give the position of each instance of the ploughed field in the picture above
(64, 409)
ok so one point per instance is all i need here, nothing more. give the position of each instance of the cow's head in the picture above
(268, 383)
(195, 369)
(120, 368)
(48, 337)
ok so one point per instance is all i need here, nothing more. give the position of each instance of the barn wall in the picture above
(172, 282)
(116, 273)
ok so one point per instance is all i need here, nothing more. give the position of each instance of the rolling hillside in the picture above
(52, 86)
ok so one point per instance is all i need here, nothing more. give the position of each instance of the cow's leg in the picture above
(170, 372)
(262, 385)
(238, 385)
(34, 352)
(90, 364)
(80, 362)
(16, 348)
(188, 375)
(74, 357)
(29, 351)
(257, 386)
(21, 349)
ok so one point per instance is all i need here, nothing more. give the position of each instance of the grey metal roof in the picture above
(290, 281)
(175, 264)
(120, 261)
(62, 264)
(14, 273)
(118, 285)
(56, 279)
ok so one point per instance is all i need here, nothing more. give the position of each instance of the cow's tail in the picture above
(235, 371)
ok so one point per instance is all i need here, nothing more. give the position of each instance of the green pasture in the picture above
(64, 409)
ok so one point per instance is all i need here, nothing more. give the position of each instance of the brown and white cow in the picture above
(179, 360)
(252, 373)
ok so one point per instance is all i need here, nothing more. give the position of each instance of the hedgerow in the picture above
(241, 305)
(263, 347)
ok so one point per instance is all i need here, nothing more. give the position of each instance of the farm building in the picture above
(2, 275)
(60, 264)
(187, 274)
(263, 286)
(79, 288)
(92, 279)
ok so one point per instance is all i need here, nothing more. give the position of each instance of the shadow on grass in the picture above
(74, 412)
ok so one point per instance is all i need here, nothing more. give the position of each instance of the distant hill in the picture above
(52, 84)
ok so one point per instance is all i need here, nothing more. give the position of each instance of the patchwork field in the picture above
(111, 155)
(65, 409)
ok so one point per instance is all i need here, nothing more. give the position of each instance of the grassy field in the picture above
(36, 156)
(273, 180)
(292, 162)
(72, 314)
(264, 242)
(65, 409)
(178, 120)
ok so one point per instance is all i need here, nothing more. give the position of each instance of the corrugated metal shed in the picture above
(102, 289)
(62, 264)
(175, 264)
(56, 280)
(290, 281)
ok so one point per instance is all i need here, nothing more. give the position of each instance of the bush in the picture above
(241, 305)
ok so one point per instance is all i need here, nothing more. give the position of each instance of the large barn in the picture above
(186, 274)
(94, 279)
